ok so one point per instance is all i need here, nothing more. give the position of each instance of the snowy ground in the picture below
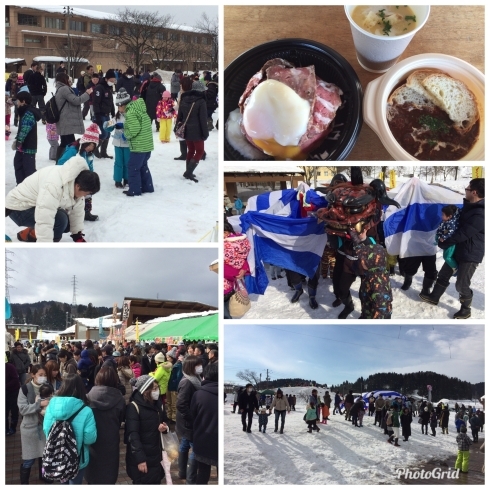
(275, 303)
(178, 211)
(339, 454)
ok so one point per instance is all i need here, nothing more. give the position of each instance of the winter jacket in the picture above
(311, 414)
(379, 404)
(175, 83)
(264, 418)
(464, 442)
(475, 422)
(459, 423)
(327, 400)
(49, 189)
(184, 418)
(125, 374)
(103, 101)
(433, 420)
(153, 96)
(337, 399)
(143, 439)
(71, 121)
(69, 367)
(425, 416)
(118, 138)
(32, 435)
(37, 84)
(62, 408)
(127, 83)
(12, 381)
(236, 249)
(280, 404)
(87, 369)
(204, 413)
(21, 361)
(72, 151)
(445, 417)
(27, 132)
(357, 407)
(175, 376)
(196, 128)
(211, 95)
(162, 375)
(165, 109)
(146, 365)
(395, 418)
(469, 238)
(248, 401)
(349, 398)
(406, 421)
(136, 367)
(108, 408)
(137, 127)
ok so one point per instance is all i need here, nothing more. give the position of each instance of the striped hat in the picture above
(144, 382)
(91, 134)
(122, 97)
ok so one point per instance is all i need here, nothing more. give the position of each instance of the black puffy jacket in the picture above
(152, 96)
(469, 238)
(127, 83)
(204, 411)
(196, 128)
(248, 402)
(184, 418)
(143, 439)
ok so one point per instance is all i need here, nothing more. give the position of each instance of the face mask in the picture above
(198, 369)
(110, 84)
(155, 395)
(129, 76)
(249, 390)
(41, 380)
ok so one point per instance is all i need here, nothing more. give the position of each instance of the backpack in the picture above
(60, 457)
(389, 419)
(52, 112)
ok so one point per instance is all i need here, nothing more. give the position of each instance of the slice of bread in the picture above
(406, 94)
(414, 81)
(455, 98)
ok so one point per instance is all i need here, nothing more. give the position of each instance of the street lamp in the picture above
(67, 11)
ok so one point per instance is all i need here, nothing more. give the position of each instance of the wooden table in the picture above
(453, 30)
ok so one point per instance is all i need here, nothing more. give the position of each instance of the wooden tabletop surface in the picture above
(453, 30)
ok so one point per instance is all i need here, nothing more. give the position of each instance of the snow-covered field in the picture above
(275, 303)
(339, 454)
(178, 211)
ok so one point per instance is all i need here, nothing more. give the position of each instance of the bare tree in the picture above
(308, 174)
(206, 25)
(81, 50)
(133, 33)
(249, 377)
(166, 47)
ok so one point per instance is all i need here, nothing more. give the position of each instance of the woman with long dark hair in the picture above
(70, 108)
(145, 419)
(70, 399)
(108, 406)
(53, 375)
(125, 373)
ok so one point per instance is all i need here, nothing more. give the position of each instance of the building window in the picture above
(54, 23)
(186, 38)
(204, 40)
(6, 41)
(114, 31)
(97, 28)
(174, 36)
(76, 25)
(195, 39)
(32, 40)
(160, 36)
(27, 20)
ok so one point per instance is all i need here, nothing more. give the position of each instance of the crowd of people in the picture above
(99, 389)
(461, 236)
(187, 109)
(394, 415)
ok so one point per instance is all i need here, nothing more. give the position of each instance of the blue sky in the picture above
(333, 353)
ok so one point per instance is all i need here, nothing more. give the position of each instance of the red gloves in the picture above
(78, 237)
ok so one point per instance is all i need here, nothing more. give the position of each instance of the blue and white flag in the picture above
(387, 395)
(410, 231)
(279, 236)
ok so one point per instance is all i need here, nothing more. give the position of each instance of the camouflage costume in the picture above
(375, 291)
(328, 261)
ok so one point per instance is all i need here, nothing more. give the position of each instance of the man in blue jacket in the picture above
(469, 239)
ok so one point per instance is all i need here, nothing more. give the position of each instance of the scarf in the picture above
(195, 380)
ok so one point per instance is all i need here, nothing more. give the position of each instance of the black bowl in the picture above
(330, 66)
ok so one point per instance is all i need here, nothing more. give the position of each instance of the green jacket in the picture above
(62, 408)
(162, 375)
(137, 127)
(395, 418)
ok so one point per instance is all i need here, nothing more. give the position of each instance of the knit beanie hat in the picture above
(166, 94)
(160, 358)
(144, 382)
(91, 134)
(110, 73)
(199, 86)
(172, 352)
(122, 97)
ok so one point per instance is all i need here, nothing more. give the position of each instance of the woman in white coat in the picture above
(51, 201)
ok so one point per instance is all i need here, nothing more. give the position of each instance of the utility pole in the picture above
(68, 11)
(267, 379)
(7, 277)
(74, 299)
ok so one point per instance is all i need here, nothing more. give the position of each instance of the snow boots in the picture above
(27, 235)
(434, 297)
(426, 286)
(298, 292)
(337, 302)
(25, 473)
(312, 294)
(191, 475)
(465, 311)
(90, 217)
(183, 151)
(96, 151)
(396, 442)
(348, 308)
(59, 152)
(407, 283)
(103, 149)
(190, 166)
(183, 458)
(210, 124)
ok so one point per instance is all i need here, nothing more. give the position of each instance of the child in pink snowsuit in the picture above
(165, 115)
